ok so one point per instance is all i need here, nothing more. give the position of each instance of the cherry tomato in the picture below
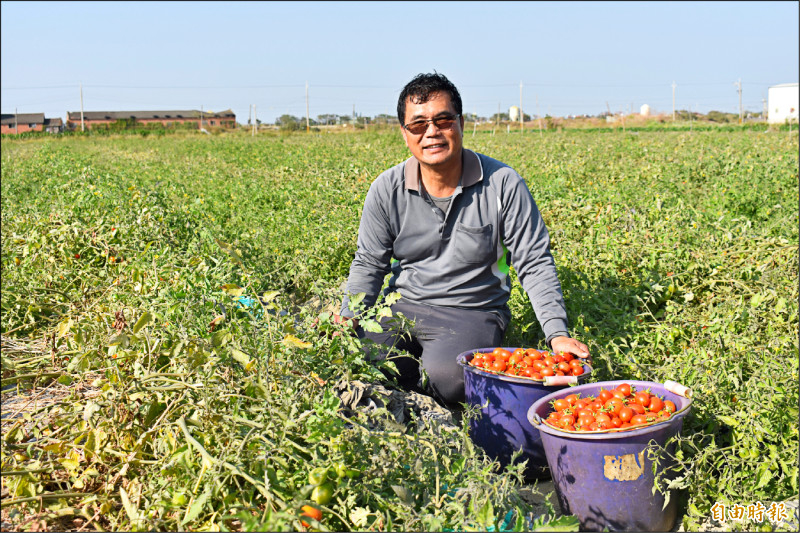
(605, 395)
(537, 375)
(626, 413)
(501, 353)
(560, 404)
(572, 399)
(567, 356)
(638, 420)
(580, 404)
(614, 405)
(616, 393)
(322, 494)
(548, 372)
(498, 365)
(576, 371)
(656, 404)
(564, 366)
(669, 406)
(586, 420)
(642, 398)
(639, 408)
(515, 359)
(625, 388)
(566, 420)
(311, 512)
(520, 352)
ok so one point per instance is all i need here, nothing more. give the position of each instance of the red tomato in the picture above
(669, 406)
(310, 512)
(616, 393)
(625, 388)
(567, 356)
(616, 422)
(626, 413)
(527, 372)
(528, 360)
(605, 395)
(642, 398)
(549, 361)
(560, 404)
(580, 404)
(564, 367)
(498, 365)
(639, 408)
(572, 399)
(501, 353)
(548, 372)
(614, 405)
(519, 351)
(656, 404)
(534, 354)
(638, 420)
(566, 420)
(576, 371)
(537, 375)
(586, 420)
(515, 359)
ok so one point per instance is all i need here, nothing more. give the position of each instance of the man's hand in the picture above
(568, 344)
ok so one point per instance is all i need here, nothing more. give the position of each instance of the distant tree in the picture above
(719, 116)
(288, 122)
(503, 116)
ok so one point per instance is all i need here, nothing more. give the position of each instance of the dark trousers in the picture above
(438, 335)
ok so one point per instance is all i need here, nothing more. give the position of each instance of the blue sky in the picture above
(571, 57)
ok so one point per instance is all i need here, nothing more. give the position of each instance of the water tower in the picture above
(513, 113)
(644, 110)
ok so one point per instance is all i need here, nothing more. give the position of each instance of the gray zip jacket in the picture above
(460, 258)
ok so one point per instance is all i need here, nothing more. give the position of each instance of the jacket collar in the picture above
(471, 172)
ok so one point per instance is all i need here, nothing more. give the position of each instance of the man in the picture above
(447, 223)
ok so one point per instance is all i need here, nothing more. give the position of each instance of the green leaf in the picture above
(196, 507)
(234, 254)
(728, 420)
(145, 319)
(764, 475)
(233, 289)
(370, 325)
(240, 356)
(130, 510)
(392, 298)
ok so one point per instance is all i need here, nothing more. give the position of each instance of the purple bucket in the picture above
(606, 479)
(502, 427)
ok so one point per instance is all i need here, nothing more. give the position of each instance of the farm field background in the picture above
(162, 370)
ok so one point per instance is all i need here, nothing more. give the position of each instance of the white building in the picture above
(513, 113)
(783, 101)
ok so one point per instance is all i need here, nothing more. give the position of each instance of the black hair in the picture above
(420, 90)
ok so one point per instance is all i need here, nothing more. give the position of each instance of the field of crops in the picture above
(160, 370)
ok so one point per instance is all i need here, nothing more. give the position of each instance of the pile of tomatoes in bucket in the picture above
(529, 363)
(619, 409)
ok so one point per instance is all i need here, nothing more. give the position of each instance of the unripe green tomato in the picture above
(317, 476)
(341, 470)
(179, 498)
(322, 494)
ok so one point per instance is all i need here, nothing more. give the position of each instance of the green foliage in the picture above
(188, 282)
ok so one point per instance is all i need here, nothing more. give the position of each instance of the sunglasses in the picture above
(444, 122)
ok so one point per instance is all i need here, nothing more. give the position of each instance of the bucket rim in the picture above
(606, 435)
(461, 359)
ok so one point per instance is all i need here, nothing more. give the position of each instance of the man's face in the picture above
(436, 147)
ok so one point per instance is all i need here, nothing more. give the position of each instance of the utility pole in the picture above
(255, 119)
(16, 125)
(764, 112)
(201, 116)
(673, 101)
(538, 114)
(81, 89)
(521, 116)
(739, 89)
(308, 127)
(497, 119)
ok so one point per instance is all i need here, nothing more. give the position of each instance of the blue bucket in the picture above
(502, 428)
(606, 479)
